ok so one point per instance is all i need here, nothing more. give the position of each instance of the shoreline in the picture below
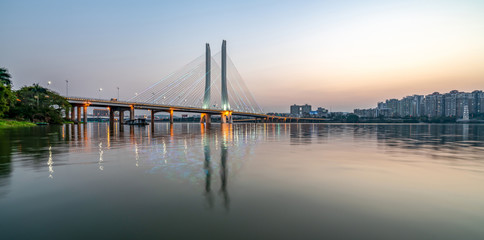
(7, 123)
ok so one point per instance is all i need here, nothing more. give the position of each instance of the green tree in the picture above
(5, 77)
(6, 95)
(39, 104)
(352, 118)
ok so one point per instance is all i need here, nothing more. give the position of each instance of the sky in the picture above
(340, 55)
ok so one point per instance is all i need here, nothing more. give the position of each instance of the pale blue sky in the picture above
(316, 52)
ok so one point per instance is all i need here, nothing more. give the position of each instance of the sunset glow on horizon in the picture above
(338, 55)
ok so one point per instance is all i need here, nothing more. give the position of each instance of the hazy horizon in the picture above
(338, 55)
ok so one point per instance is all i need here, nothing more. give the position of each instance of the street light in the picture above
(67, 88)
(100, 89)
(118, 92)
(49, 82)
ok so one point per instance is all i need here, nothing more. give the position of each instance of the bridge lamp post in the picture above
(100, 90)
(118, 92)
(67, 88)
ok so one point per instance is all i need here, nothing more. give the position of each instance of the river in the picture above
(243, 181)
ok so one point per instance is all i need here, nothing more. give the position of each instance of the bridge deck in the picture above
(158, 107)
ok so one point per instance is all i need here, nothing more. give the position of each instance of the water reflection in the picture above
(456, 145)
(206, 136)
(204, 154)
(101, 152)
(282, 181)
(206, 139)
(50, 163)
(5, 162)
(223, 169)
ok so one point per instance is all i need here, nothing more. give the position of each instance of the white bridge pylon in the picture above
(208, 82)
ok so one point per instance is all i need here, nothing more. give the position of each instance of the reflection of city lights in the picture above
(101, 152)
(50, 162)
(136, 154)
(164, 151)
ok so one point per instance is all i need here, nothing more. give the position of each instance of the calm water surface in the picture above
(243, 181)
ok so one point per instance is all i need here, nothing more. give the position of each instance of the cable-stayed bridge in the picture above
(209, 85)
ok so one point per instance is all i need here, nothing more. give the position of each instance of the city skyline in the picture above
(433, 105)
(337, 55)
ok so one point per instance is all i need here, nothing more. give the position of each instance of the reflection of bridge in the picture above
(190, 90)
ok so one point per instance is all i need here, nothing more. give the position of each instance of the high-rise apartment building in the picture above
(452, 104)
(300, 110)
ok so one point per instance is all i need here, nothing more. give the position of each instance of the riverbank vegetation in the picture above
(6, 123)
(30, 103)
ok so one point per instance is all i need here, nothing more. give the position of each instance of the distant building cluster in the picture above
(306, 111)
(453, 104)
(100, 112)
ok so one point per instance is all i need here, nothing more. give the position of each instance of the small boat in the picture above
(139, 122)
(41, 123)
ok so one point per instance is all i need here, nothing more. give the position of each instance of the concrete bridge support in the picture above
(171, 116)
(85, 114)
(205, 118)
(121, 120)
(153, 119)
(131, 113)
(121, 117)
(73, 112)
(226, 117)
(111, 118)
(78, 114)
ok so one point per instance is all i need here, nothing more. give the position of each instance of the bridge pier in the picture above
(78, 114)
(111, 118)
(85, 113)
(153, 120)
(171, 116)
(205, 118)
(226, 117)
(73, 111)
(131, 113)
(121, 117)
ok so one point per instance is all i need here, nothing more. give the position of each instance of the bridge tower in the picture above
(225, 97)
(208, 59)
(204, 117)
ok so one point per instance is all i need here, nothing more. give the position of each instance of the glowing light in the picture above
(50, 163)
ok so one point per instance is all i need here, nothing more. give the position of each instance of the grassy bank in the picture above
(4, 123)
